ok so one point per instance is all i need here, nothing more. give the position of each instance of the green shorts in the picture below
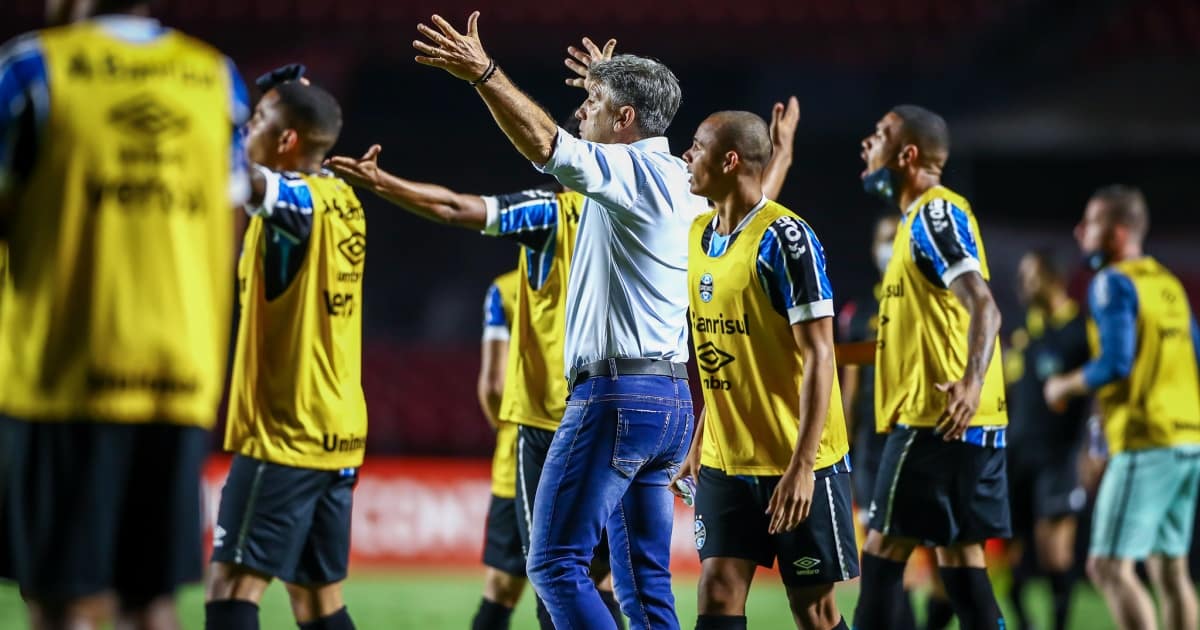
(1147, 503)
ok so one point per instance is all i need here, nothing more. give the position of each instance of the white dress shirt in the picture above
(627, 293)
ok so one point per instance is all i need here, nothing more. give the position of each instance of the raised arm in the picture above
(429, 201)
(783, 133)
(530, 129)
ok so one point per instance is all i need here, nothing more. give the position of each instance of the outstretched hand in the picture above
(580, 60)
(460, 55)
(784, 120)
(360, 173)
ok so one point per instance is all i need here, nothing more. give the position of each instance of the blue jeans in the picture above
(620, 442)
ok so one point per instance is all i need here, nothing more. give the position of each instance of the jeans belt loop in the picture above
(612, 368)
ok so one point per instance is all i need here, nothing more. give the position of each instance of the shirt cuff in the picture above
(491, 225)
(270, 197)
(807, 312)
(558, 154)
(495, 333)
(966, 265)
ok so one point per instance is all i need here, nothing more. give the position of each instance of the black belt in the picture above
(627, 367)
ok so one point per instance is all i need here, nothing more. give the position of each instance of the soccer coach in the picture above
(629, 416)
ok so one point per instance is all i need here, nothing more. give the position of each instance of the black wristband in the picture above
(487, 74)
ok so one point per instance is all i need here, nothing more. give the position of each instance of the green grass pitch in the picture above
(447, 601)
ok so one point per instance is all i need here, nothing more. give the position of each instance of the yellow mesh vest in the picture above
(923, 337)
(504, 458)
(296, 397)
(121, 245)
(1159, 404)
(750, 368)
(535, 356)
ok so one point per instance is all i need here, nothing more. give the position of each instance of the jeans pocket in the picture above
(639, 436)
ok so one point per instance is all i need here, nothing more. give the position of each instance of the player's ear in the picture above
(731, 162)
(908, 155)
(288, 140)
(625, 118)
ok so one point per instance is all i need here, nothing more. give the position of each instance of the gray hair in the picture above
(644, 84)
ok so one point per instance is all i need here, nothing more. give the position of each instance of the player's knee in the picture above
(814, 607)
(965, 555)
(722, 592)
(889, 547)
(231, 581)
(314, 601)
(503, 588)
(1106, 572)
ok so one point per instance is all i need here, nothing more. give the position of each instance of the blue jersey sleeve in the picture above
(942, 237)
(791, 269)
(1196, 340)
(24, 106)
(239, 114)
(1113, 303)
(529, 217)
(287, 205)
(495, 323)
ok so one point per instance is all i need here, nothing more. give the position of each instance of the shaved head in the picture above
(926, 130)
(1125, 205)
(744, 133)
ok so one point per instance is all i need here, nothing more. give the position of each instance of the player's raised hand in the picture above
(360, 173)
(962, 401)
(461, 55)
(784, 120)
(578, 61)
(792, 500)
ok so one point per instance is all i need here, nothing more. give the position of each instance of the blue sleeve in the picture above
(495, 322)
(1113, 304)
(529, 217)
(239, 114)
(24, 106)
(942, 235)
(1196, 341)
(287, 205)
(791, 269)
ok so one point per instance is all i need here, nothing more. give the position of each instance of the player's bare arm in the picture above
(579, 60)
(691, 464)
(962, 396)
(490, 387)
(792, 499)
(429, 201)
(531, 130)
(784, 120)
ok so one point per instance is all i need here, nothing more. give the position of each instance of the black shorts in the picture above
(502, 543)
(290, 523)
(940, 493)
(532, 446)
(95, 506)
(1044, 490)
(868, 452)
(731, 523)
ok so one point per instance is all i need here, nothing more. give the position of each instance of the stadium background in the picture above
(1046, 99)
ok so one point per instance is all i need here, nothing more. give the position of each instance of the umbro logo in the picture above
(711, 358)
(354, 248)
(146, 117)
(806, 566)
